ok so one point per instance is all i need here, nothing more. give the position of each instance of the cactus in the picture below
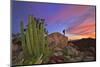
(34, 42)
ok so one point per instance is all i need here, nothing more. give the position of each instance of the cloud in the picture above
(83, 25)
(68, 12)
(78, 20)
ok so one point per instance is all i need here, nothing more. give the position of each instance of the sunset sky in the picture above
(77, 20)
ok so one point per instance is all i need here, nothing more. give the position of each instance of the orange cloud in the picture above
(84, 30)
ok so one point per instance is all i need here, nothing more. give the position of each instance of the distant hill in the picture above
(85, 44)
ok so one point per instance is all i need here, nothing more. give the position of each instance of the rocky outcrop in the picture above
(57, 40)
(71, 51)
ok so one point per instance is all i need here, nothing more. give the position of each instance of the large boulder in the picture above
(57, 40)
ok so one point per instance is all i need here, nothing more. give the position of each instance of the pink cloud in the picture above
(85, 29)
(66, 13)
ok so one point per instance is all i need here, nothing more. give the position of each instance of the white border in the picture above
(4, 33)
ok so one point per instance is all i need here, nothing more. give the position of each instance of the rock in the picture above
(56, 59)
(88, 58)
(71, 51)
(58, 53)
(57, 40)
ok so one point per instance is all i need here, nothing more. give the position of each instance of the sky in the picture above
(77, 20)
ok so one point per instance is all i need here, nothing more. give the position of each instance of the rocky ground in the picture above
(71, 51)
(64, 51)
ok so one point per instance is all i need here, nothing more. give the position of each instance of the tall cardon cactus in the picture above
(34, 42)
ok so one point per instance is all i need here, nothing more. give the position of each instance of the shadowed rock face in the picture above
(57, 40)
